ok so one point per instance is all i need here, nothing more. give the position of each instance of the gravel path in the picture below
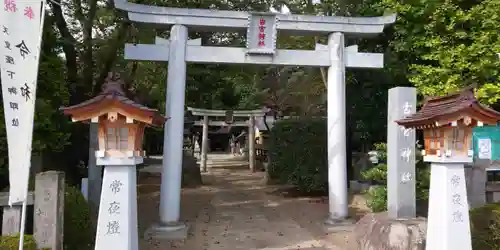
(233, 210)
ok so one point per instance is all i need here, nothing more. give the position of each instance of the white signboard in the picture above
(484, 148)
(261, 33)
(19, 52)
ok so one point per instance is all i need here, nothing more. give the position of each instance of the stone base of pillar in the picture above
(168, 231)
(379, 231)
(331, 225)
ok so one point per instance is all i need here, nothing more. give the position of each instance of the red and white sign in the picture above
(262, 33)
(20, 35)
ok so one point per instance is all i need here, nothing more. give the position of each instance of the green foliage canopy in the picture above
(445, 45)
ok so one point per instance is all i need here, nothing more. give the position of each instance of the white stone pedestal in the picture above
(448, 226)
(117, 221)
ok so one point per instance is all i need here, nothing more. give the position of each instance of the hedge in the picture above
(298, 152)
(485, 227)
(79, 233)
(11, 242)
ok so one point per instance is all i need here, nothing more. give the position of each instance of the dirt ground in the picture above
(234, 210)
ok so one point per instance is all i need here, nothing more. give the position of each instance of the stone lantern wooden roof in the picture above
(112, 96)
(440, 111)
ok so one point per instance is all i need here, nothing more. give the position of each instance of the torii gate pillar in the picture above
(171, 176)
(336, 127)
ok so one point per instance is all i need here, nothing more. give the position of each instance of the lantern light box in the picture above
(447, 123)
(121, 121)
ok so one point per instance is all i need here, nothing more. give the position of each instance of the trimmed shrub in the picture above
(298, 152)
(78, 230)
(11, 242)
(485, 227)
(377, 196)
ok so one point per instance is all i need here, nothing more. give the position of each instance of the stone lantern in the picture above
(447, 124)
(121, 129)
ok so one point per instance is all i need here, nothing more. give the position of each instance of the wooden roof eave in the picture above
(88, 112)
(95, 109)
(159, 120)
(487, 113)
(486, 120)
(440, 121)
(103, 104)
(91, 106)
(87, 116)
(418, 125)
(83, 116)
(410, 122)
(96, 100)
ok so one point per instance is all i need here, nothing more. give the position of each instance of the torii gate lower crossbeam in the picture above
(261, 43)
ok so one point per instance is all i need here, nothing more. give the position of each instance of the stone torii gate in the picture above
(260, 49)
(206, 113)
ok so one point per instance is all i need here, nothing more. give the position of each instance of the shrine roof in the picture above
(112, 94)
(439, 108)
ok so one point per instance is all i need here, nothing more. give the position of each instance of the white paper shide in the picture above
(20, 44)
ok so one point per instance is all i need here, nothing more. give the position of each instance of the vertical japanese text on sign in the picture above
(456, 200)
(10, 5)
(9, 59)
(23, 49)
(406, 153)
(28, 11)
(262, 33)
(407, 109)
(113, 226)
(26, 92)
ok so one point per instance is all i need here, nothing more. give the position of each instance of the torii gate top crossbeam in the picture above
(216, 20)
(236, 113)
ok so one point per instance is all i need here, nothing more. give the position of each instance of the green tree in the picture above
(445, 45)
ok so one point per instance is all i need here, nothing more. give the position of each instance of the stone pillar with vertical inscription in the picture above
(448, 226)
(11, 218)
(49, 210)
(476, 182)
(117, 221)
(401, 194)
(204, 144)
(251, 143)
(94, 171)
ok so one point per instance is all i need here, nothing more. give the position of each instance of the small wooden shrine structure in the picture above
(121, 130)
(447, 122)
(121, 120)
